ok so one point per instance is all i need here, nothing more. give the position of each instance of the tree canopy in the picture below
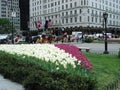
(5, 26)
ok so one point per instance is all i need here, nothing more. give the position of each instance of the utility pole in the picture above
(12, 21)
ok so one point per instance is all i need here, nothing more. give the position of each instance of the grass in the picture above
(109, 41)
(106, 68)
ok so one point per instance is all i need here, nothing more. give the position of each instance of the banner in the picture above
(13, 14)
(50, 23)
(38, 24)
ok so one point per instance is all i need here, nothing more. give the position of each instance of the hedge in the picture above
(34, 77)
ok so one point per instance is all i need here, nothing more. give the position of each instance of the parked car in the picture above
(3, 38)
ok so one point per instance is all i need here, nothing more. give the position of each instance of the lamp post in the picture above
(12, 21)
(105, 16)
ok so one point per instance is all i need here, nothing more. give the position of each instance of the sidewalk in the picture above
(6, 84)
(98, 47)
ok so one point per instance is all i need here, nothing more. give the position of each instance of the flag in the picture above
(13, 14)
(43, 23)
(50, 23)
(38, 24)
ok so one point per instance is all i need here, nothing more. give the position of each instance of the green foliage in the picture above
(106, 68)
(35, 77)
(22, 42)
(5, 26)
(33, 33)
(88, 40)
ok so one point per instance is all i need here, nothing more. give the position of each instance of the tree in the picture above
(5, 26)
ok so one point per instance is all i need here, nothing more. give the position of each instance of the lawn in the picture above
(109, 41)
(106, 68)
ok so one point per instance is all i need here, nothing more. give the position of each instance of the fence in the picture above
(101, 52)
(115, 85)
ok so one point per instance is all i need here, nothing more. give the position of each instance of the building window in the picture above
(88, 11)
(62, 13)
(70, 5)
(66, 6)
(75, 19)
(70, 12)
(88, 19)
(92, 19)
(66, 13)
(58, 2)
(62, 1)
(80, 18)
(81, 2)
(75, 12)
(62, 7)
(80, 11)
(75, 4)
(71, 20)
(96, 19)
(66, 20)
(63, 21)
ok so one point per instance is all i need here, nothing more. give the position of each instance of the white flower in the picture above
(47, 52)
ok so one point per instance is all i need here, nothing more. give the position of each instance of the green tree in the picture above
(5, 26)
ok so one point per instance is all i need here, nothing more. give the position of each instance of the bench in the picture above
(84, 48)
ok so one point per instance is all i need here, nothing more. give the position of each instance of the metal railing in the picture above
(115, 85)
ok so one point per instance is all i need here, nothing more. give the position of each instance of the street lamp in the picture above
(12, 21)
(105, 16)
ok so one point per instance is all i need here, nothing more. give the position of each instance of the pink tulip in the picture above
(74, 51)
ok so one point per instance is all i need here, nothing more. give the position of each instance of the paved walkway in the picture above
(6, 84)
(99, 47)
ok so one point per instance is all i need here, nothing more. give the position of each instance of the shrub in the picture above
(88, 40)
(34, 77)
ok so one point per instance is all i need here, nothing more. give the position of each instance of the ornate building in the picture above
(77, 14)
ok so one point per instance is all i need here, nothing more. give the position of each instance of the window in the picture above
(80, 11)
(62, 7)
(81, 2)
(92, 19)
(63, 21)
(88, 19)
(70, 5)
(62, 1)
(88, 11)
(75, 12)
(62, 13)
(80, 18)
(66, 13)
(96, 19)
(66, 20)
(75, 19)
(71, 20)
(75, 4)
(66, 6)
(70, 12)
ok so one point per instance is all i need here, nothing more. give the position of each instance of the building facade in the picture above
(6, 8)
(75, 13)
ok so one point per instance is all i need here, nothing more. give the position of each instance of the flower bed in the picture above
(65, 53)
(74, 51)
(46, 52)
